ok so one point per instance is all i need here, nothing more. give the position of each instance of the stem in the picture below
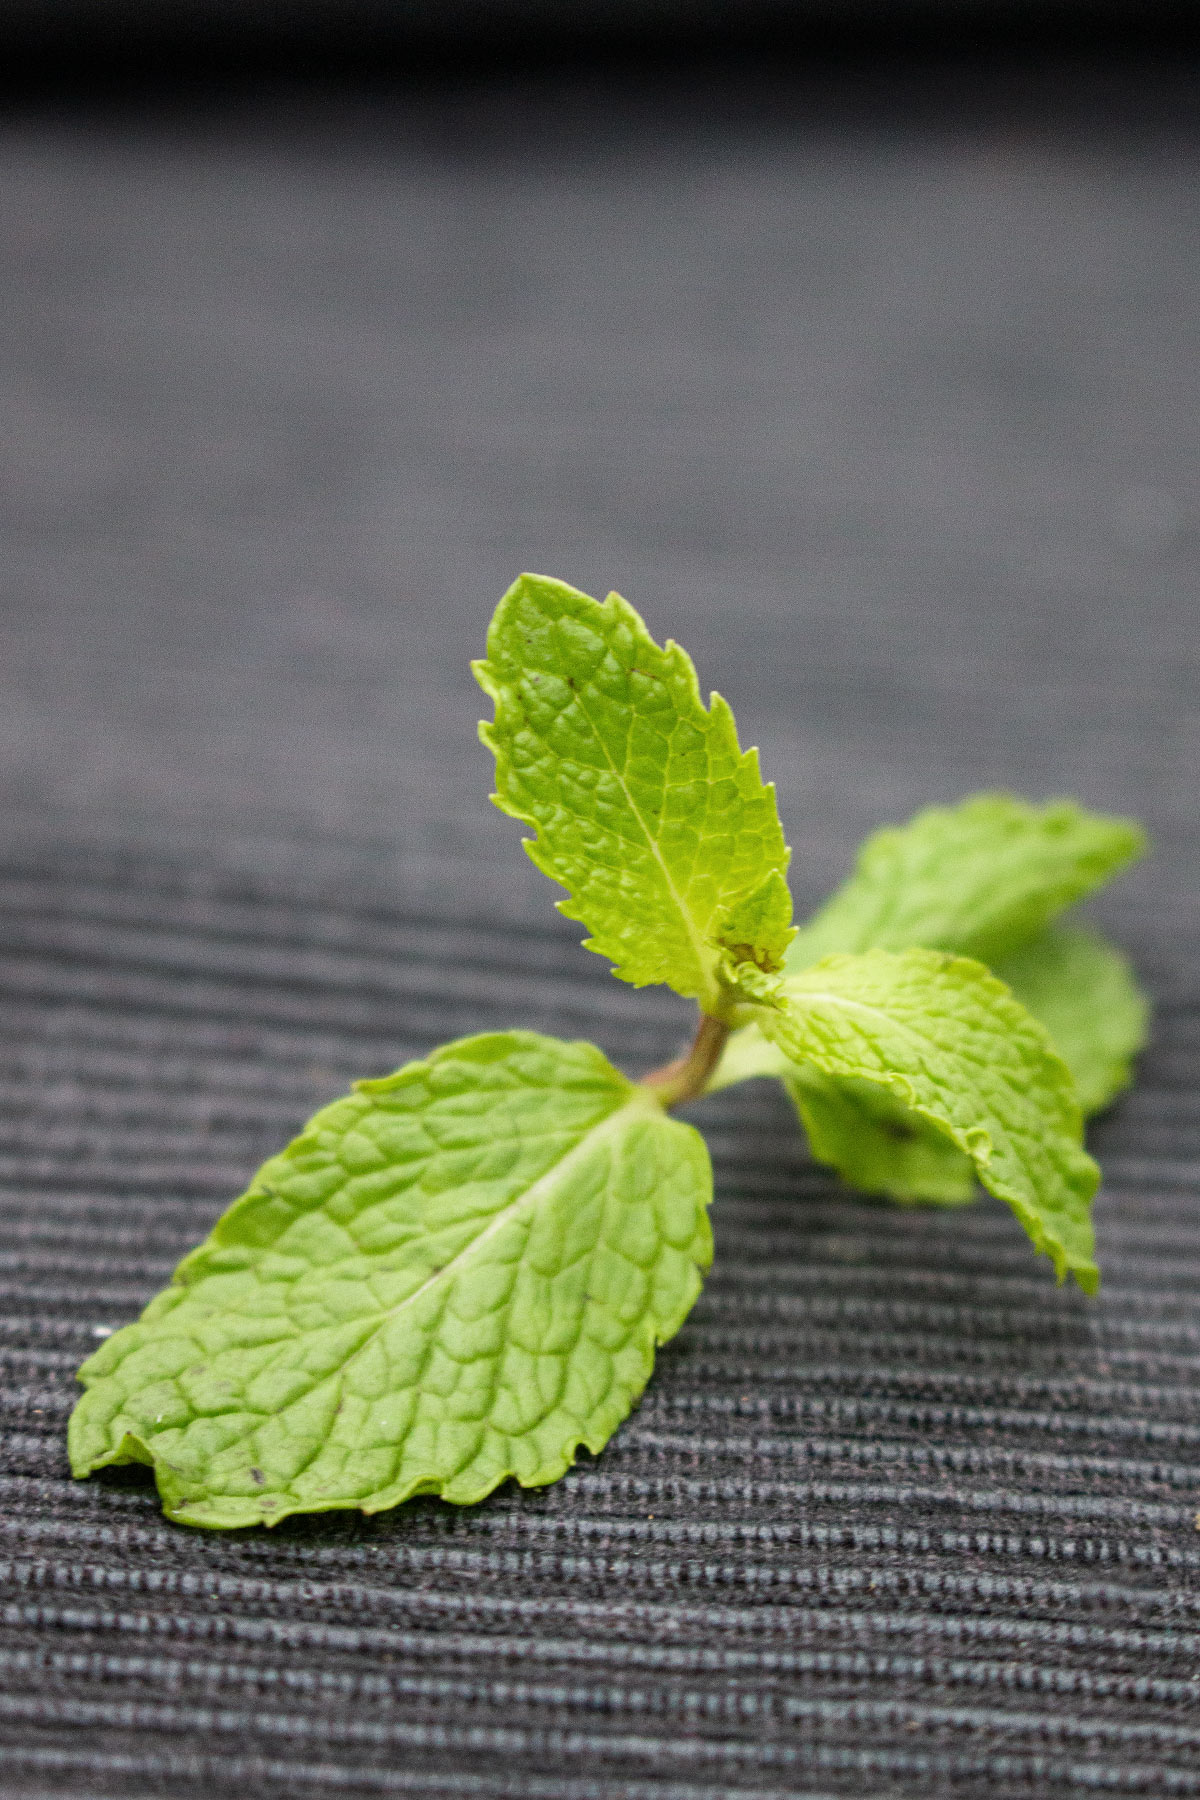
(684, 1078)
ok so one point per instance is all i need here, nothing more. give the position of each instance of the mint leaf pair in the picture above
(459, 1274)
(981, 880)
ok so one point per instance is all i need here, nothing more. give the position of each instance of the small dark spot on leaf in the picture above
(899, 1134)
(256, 1475)
(746, 953)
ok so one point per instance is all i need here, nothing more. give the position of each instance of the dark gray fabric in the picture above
(887, 407)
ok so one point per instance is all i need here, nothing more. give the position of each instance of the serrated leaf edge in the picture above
(976, 1141)
(713, 995)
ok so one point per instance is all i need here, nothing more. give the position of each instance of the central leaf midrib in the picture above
(525, 1199)
(889, 1020)
(528, 1198)
(699, 949)
(864, 1006)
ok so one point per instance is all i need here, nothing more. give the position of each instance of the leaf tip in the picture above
(1087, 1277)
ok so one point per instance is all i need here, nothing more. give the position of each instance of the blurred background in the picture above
(859, 346)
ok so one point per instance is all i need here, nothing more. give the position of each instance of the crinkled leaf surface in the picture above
(646, 809)
(950, 1042)
(1073, 982)
(873, 1140)
(978, 879)
(970, 879)
(1084, 992)
(455, 1275)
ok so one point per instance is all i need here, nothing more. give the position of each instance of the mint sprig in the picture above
(459, 1273)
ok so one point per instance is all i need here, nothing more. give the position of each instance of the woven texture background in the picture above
(886, 404)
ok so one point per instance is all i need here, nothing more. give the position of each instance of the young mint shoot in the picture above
(460, 1273)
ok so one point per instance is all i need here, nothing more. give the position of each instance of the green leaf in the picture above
(875, 1142)
(1073, 982)
(646, 809)
(978, 879)
(455, 1275)
(950, 1043)
(1085, 994)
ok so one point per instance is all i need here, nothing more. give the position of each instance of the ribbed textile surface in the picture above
(895, 1513)
(891, 417)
